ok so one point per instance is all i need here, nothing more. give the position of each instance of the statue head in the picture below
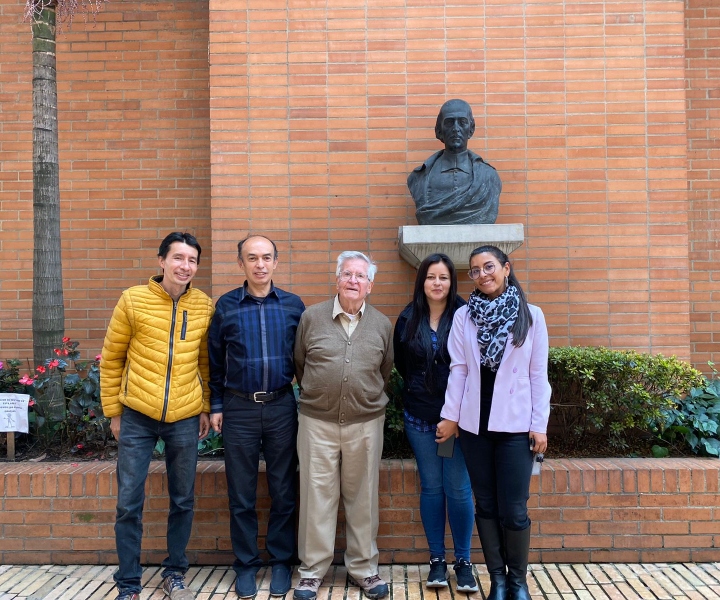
(455, 125)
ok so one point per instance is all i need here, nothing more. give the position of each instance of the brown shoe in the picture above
(373, 586)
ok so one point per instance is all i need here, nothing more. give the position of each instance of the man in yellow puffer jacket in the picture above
(154, 373)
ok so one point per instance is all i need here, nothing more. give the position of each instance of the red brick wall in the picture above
(309, 118)
(318, 112)
(595, 510)
(702, 51)
(134, 157)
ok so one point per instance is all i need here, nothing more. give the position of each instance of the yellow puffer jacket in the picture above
(155, 358)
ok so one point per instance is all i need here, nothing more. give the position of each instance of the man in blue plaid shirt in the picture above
(252, 403)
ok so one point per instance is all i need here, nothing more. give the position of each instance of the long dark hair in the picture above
(524, 318)
(417, 330)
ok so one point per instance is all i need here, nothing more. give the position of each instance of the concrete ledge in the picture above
(592, 510)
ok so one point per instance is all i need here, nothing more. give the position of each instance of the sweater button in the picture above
(515, 370)
(349, 343)
(347, 360)
(342, 420)
(511, 390)
(345, 379)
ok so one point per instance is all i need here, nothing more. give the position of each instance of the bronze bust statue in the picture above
(455, 186)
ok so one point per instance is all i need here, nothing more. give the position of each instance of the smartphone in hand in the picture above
(445, 449)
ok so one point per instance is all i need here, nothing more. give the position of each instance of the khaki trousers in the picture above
(339, 461)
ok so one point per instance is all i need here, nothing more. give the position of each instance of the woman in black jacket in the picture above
(421, 357)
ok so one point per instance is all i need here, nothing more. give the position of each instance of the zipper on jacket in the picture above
(170, 360)
(184, 326)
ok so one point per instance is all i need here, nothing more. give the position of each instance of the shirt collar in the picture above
(449, 162)
(337, 309)
(245, 295)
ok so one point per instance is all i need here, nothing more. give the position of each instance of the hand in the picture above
(115, 426)
(216, 422)
(445, 430)
(538, 442)
(204, 426)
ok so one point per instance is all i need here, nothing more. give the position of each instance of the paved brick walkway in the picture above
(699, 581)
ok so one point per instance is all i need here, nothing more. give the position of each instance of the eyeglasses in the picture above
(347, 276)
(487, 268)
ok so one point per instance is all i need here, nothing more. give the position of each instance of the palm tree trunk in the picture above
(48, 315)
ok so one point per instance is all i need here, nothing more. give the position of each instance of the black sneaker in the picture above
(437, 578)
(466, 582)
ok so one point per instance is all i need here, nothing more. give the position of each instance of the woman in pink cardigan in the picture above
(497, 403)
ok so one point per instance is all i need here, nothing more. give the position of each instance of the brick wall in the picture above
(318, 112)
(594, 510)
(702, 50)
(134, 157)
(309, 117)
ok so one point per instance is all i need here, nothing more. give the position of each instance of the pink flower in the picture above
(65, 352)
(53, 363)
(40, 369)
(66, 340)
(31, 402)
(98, 356)
(26, 380)
(57, 351)
(1, 364)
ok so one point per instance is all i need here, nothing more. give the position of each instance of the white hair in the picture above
(350, 255)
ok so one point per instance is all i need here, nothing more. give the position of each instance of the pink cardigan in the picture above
(521, 396)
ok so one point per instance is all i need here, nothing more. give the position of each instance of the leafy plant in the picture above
(67, 393)
(694, 421)
(395, 442)
(212, 445)
(610, 394)
(10, 377)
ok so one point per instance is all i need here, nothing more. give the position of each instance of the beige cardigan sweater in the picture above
(341, 378)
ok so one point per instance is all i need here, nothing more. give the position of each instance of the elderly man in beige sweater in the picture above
(343, 359)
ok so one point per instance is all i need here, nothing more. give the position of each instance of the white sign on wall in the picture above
(14, 412)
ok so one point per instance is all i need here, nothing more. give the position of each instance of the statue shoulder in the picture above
(427, 165)
(476, 158)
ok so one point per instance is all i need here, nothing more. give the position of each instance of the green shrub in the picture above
(395, 443)
(611, 393)
(65, 408)
(10, 377)
(693, 422)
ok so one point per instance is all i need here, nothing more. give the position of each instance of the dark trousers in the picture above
(138, 436)
(500, 466)
(249, 427)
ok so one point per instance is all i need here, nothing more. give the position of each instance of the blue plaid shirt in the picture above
(251, 343)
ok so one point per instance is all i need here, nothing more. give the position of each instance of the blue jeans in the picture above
(500, 473)
(249, 427)
(443, 481)
(138, 436)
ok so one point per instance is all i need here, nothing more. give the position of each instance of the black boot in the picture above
(491, 540)
(517, 546)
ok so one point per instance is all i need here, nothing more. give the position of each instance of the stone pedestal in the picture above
(457, 241)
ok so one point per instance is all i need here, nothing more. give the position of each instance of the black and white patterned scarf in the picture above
(494, 320)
